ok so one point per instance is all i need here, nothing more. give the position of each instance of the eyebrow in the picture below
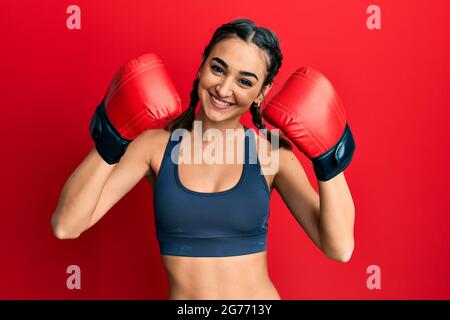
(225, 65)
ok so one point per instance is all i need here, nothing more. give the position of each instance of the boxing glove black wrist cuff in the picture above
(335, 160)
(108, 142)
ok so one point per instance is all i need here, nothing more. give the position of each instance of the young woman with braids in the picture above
(212, 219)
(234, 264)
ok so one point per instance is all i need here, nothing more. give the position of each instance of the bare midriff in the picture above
(220, 278)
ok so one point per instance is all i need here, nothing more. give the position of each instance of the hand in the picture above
(141, 96)
(309, 111)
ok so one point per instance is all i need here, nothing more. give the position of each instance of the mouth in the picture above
(219, 104)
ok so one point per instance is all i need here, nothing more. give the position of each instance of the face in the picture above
(231, 79)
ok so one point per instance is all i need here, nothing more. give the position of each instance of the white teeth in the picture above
(220, 101)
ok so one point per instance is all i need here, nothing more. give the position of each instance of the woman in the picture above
(211, 219)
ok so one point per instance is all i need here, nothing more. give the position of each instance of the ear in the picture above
(264, 93)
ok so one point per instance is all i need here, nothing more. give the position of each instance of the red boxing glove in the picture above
(141, 96)
(309, 111)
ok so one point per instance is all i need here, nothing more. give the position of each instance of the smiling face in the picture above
(231, 79)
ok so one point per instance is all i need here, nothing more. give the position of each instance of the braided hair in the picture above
(247, 31)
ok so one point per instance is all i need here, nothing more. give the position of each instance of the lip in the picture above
(217, 105)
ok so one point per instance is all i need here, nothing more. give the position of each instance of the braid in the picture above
(186, 119)
(255, 111)
(194, 94)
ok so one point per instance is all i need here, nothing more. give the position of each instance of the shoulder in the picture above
(290, 168)
(154, 137)
(154, 134)
(153, 143)
(264, 147)
(147, 144)
(277, 164)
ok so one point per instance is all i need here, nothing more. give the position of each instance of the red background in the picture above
(394, 84)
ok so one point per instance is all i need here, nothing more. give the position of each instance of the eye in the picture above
(216, 69)
(247, 83)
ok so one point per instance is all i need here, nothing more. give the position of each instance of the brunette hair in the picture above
(249, 32)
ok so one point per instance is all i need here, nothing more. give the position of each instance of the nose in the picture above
(223, 89)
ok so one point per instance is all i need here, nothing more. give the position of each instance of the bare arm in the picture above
(80, 195)
(299, 196)
(95, 186)
(337, 218)
(327, 219)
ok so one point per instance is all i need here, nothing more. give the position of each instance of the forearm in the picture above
(337, 216)
(80, 195)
